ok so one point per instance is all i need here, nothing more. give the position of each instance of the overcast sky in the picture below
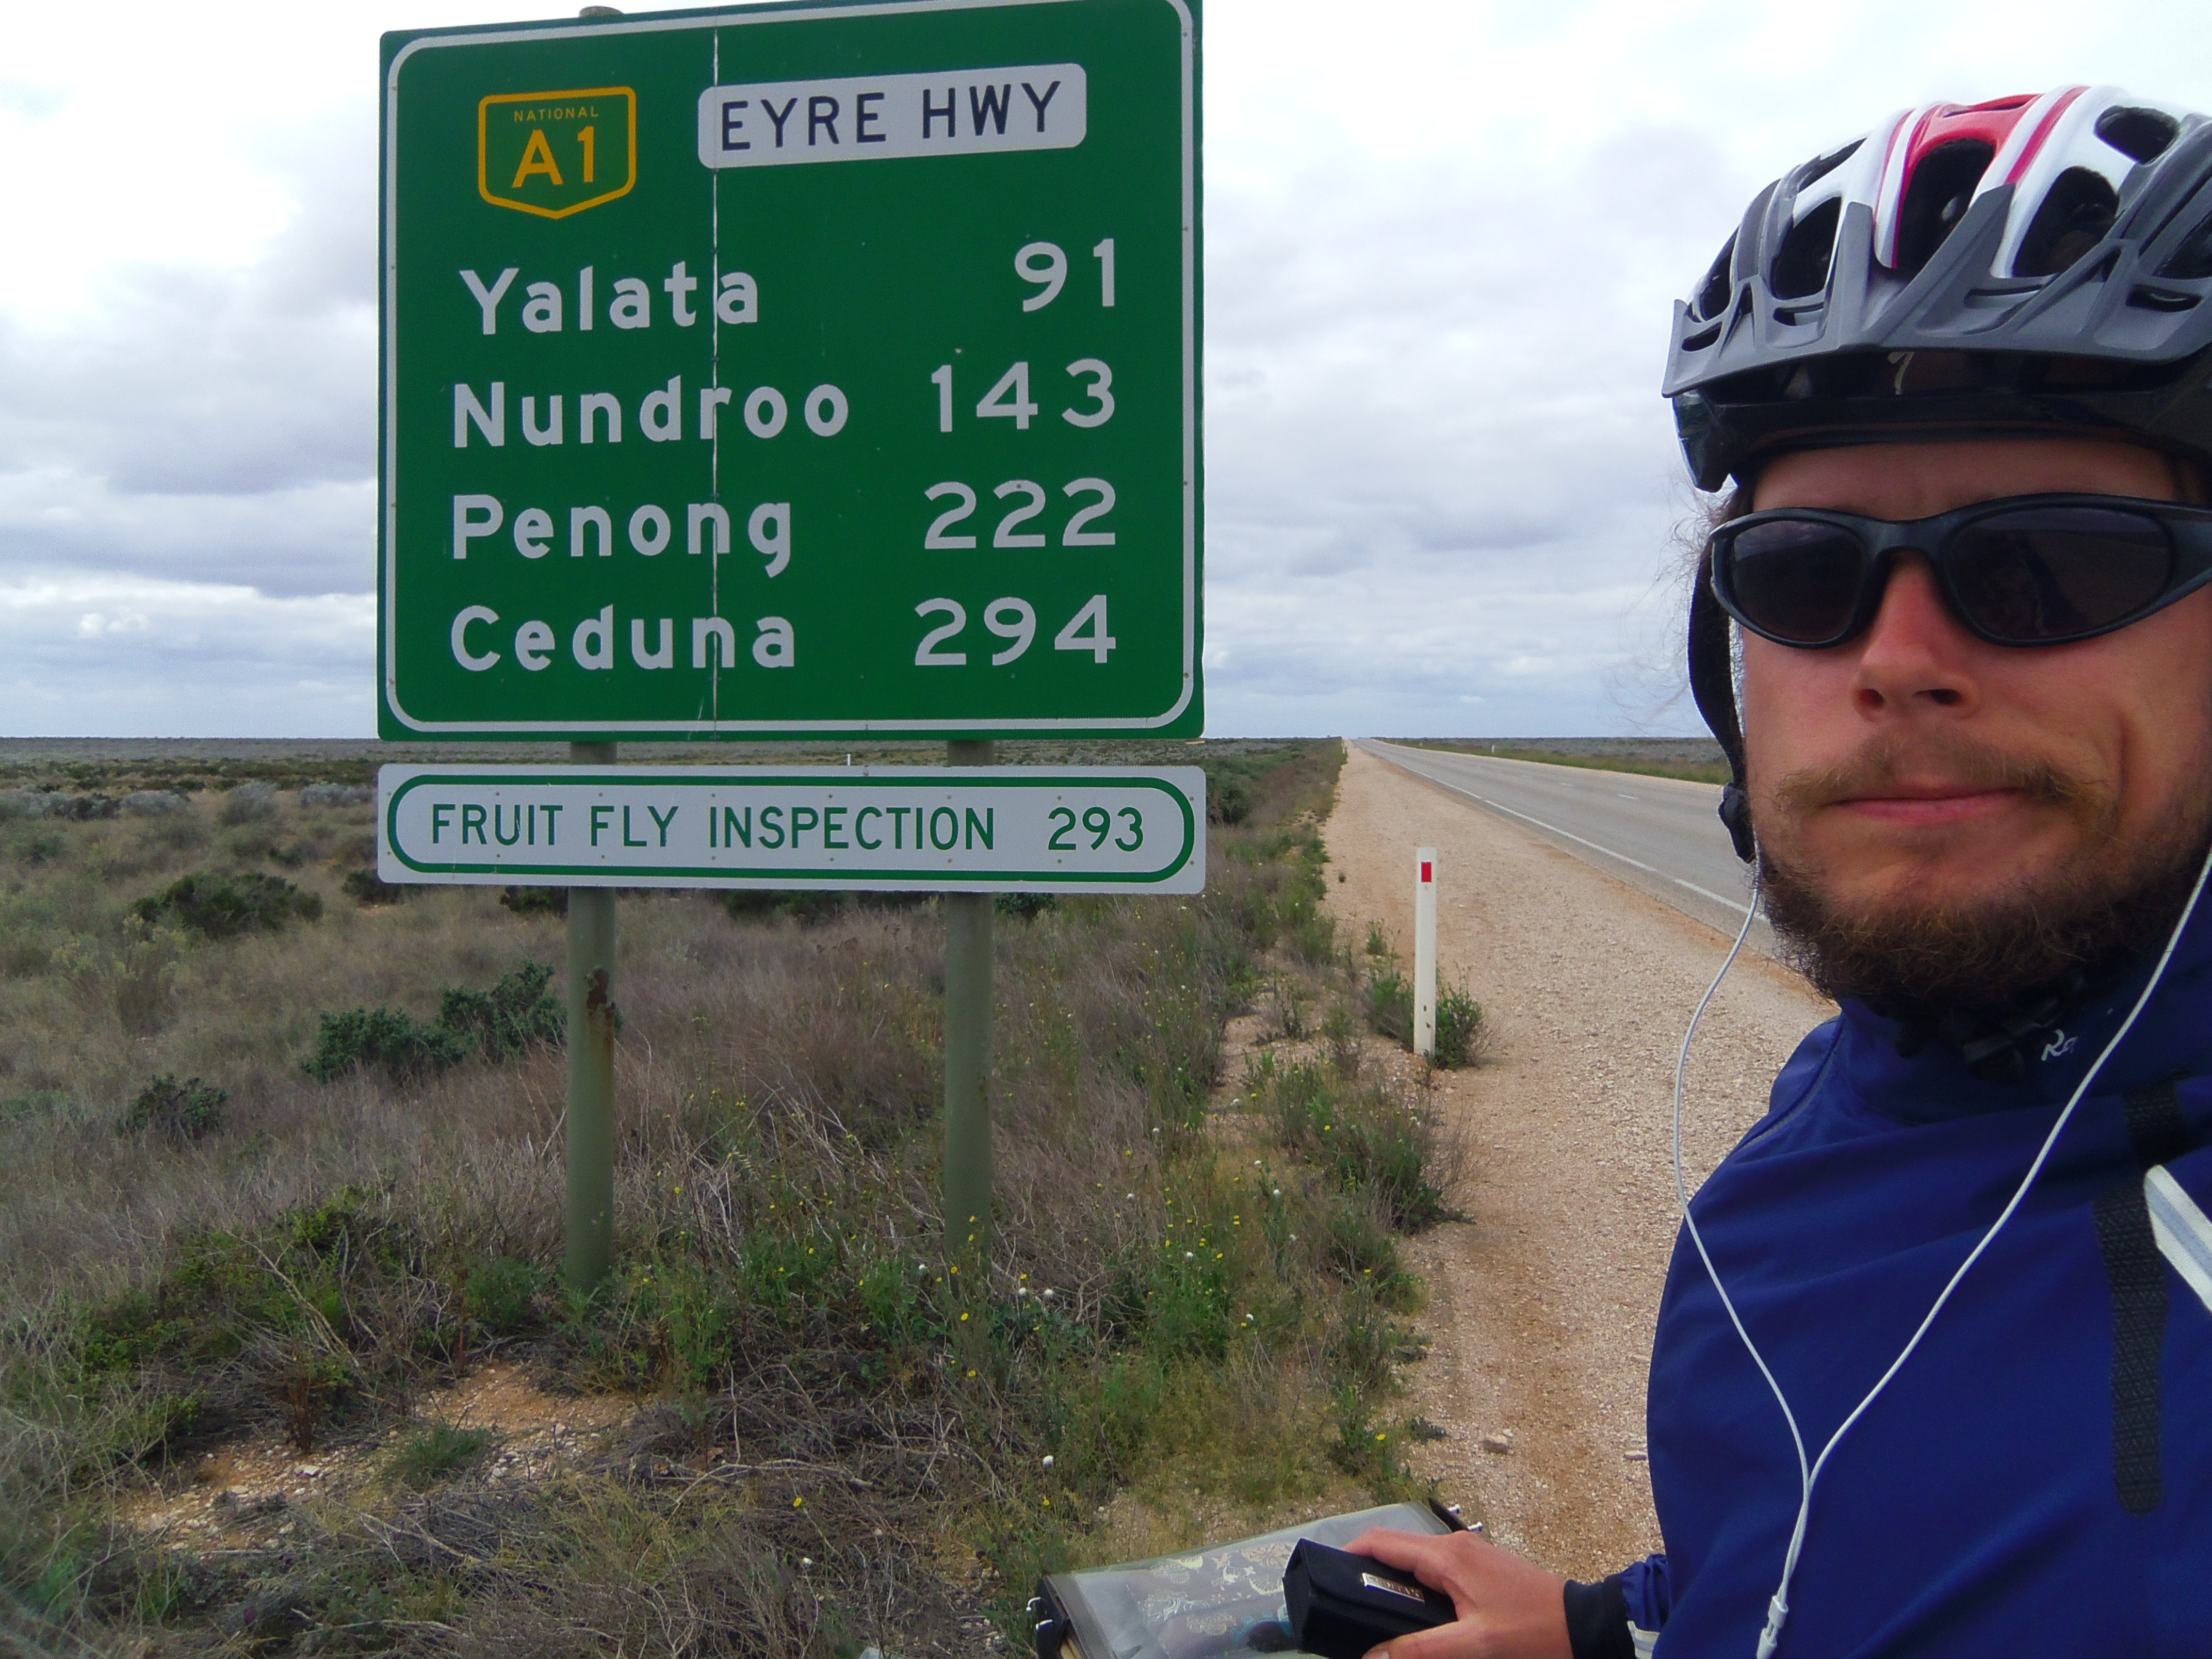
(1441, 243)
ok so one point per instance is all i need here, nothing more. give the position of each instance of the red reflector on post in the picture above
(1428, 871)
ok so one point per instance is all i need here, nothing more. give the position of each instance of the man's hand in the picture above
(1508, 1608)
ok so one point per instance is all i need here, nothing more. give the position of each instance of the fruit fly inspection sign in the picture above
(1099, 830)
(793, 369)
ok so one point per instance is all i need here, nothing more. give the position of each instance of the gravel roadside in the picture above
(1541, 1306)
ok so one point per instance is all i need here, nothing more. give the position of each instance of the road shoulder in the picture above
(1541, 1306)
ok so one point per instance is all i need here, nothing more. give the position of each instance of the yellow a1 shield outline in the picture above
(557, 153)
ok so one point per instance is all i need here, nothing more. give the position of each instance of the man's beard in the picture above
(1921, 953)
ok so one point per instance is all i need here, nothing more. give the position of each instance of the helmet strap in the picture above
(1712, 684)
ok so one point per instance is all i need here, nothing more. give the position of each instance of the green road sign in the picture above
(793, 369)
(1084, 830)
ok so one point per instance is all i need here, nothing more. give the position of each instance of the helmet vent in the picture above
(1801, 267)
(2075, 215)
(2192, 260)
(1713, 292)
(1821, 166)
(2140, 135)
(1942, 188)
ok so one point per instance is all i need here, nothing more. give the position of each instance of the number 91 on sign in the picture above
(1078, 829)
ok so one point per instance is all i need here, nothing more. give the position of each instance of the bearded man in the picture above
(1933, 1372)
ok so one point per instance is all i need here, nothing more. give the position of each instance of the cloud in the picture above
(1443, 240)
(79, 652)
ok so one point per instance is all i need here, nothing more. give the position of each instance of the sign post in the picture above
(786, 371)
(591, 1128)
(967, 996)
(1425, 951)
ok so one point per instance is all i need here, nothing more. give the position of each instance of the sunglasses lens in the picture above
(2046, 573)
(1795, 579)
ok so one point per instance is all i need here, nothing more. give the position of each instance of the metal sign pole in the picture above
(591, 1129)
(967, 991)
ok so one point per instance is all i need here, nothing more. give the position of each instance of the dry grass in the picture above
(841, 1440)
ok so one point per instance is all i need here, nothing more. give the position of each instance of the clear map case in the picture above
(1224, 1602)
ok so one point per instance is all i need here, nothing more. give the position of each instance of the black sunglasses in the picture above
(2021, 570)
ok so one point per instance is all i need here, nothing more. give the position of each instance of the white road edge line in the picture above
(1554, 829)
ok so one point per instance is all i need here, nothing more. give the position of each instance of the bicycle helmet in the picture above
(2027, 265)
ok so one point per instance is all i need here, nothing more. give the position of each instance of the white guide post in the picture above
(1425, 951)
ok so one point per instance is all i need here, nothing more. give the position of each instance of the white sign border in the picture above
(1186, 784)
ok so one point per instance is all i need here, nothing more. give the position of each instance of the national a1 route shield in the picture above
(792, 370)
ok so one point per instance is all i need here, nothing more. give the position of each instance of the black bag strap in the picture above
(2136, 1273)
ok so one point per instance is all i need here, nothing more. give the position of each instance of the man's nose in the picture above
(1916, 656)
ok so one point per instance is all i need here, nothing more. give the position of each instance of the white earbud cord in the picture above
(1778, 1611)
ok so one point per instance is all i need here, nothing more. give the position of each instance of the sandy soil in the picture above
(1541, 1306)
(253, 1489)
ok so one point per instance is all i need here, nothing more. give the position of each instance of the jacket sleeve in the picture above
(1619, 1617)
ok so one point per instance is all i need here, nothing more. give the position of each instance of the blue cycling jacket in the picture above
(2036, 1480)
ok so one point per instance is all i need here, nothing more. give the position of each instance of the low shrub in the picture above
(809, 906)
(22, 804)
(439, 1453)
(335, 794)
(82, 809)
(1366, 1137)
(385, 1039)
(154, 804)
(1229, 802)
(365, 887)
(501, 1295)
(515, 1014)
(1390, 1003)
(176, 1111)
(224, 907)
(535, 901)
(181, 832)
(37, 846)
(1463, 1038)
(252, 802)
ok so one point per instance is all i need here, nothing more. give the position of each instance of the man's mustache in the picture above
(1884, 766)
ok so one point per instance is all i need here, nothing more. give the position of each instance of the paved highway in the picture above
(1662, 835)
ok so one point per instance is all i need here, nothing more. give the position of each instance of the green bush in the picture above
(364, 886)
(439, 1453)
(1390, 1004)
(175, 1111)
(1461, 1037)
(1229, 802)
(224, 907)
(384, 1038)
(38, 845)
(810, 906)
(513, 1015)
(501, 1295)
(536, 901)
(1366, 1137)
(251, 802)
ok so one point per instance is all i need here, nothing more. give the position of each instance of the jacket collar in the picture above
(2172, 1036)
